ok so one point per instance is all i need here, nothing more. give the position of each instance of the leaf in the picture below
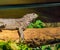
(57, 46)
(46, 48)
(38, 22)
(14, 46)
(38, 26)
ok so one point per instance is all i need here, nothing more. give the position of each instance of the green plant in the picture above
(37, 24)
(24, 47)
(46, 48)
(5, 46)
(21, 46)
(13, 46)
(57, 47)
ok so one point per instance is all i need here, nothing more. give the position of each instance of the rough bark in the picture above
(42, 36)
(34, 36)
(7, 35)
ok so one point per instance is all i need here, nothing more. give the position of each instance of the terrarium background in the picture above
(8, 2)
(49, 15)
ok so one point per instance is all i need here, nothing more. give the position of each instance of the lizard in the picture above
(20, 23)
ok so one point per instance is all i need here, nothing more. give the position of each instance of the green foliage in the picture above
(46, 48)
(14, 46)
(4, 46)
(57, 47)
(24, 47)
(37, 24)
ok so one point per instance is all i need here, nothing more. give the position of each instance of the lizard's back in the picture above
(19, 22)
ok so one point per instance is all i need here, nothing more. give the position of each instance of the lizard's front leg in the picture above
(21, 35)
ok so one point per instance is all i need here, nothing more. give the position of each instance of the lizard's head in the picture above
(31, 16)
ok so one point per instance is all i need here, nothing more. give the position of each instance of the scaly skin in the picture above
(20, 23)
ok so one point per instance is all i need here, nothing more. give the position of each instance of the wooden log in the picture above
(7, 35)
(34, 37)
(37, 37)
